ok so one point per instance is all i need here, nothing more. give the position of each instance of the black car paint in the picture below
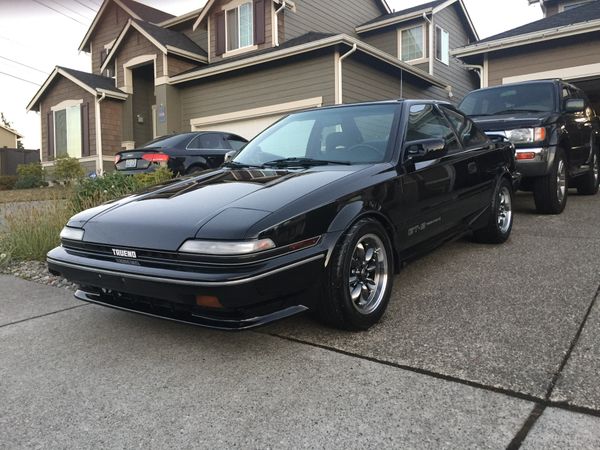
(574, 133)
(420, 207)
(183, 158)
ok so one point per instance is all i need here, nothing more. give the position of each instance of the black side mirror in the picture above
(425, 150)
(574, 105)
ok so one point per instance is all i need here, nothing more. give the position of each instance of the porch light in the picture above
(226, 248)
(72, 234)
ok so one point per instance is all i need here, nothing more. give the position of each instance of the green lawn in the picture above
(28, 195)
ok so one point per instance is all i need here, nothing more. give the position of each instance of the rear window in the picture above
(168, 141)
(531, 97)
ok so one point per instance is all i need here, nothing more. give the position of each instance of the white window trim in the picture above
(63, 106)
(425, 57)
(562, 7)
(236, 5)
(66, 104)
(437, 43)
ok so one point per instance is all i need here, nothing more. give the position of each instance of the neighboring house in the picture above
(8, 137)
(240, 65)
(564, 44)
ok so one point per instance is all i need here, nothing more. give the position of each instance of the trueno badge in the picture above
(124, 253)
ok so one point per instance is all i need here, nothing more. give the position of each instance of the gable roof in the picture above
(135, 10)
(416, 12)
(178, 20)
(94, 84)
(10, 130)
(304, 44)
(382, 3)
(166, 40)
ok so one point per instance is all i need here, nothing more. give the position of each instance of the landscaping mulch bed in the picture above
(37, 272)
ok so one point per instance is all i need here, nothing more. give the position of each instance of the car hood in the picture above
(515, 120)
(221, 204)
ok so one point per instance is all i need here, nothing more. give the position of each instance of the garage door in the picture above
(249, 123)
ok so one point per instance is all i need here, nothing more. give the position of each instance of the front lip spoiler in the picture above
(196, 319)
(186, 282)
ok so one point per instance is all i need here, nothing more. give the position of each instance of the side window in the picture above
(426, 122)
(213, 141)
(469, 134)
(236, 144)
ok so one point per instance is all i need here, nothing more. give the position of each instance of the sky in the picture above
(37, 35)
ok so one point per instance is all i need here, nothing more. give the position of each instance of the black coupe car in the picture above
(318, 212)
(184, 153)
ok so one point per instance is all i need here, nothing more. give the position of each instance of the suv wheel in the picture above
(360, 278)
(551, 192)
(500, 224)
(589, 182)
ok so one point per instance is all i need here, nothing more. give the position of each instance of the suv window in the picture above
(470, 135)
(236, 144)
(426, 122)
(208, 141)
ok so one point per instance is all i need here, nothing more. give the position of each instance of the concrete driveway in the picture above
(482, 347)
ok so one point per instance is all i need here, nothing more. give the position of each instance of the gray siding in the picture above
(385, 40)
(200, 36)
(281, 82)
(462, 80)
(367, 80)
(331, 16)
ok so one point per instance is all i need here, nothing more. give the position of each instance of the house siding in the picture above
(133, 45)
(541, 57)
(176, 65)
(108, 28)
(334, 16)
(367, 80)
(456, 75)
(199, 35)
(385, 40)
(61, 90)
(267, 85)
(111, 113)
(7, 139)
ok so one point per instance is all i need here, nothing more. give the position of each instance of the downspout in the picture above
(479, 70)
(276, 24)
(100, 163)
(431, 36)
(340, 99)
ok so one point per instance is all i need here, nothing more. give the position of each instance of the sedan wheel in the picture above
(500, 222)
(359, 278)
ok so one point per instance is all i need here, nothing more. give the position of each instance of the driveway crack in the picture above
(16, 322)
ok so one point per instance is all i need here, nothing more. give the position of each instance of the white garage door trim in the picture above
(281, 108)
(568, 73)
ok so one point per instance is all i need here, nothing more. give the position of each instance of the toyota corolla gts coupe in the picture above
(316, 213)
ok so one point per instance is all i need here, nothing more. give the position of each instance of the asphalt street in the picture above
(482, 347)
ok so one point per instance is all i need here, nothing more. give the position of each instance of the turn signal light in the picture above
(156, 157)
(208, 301)
(525, 155)
(539, 134)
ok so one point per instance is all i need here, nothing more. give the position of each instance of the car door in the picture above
(477, 165)
(207, 149)
(579, 129)
(427, 187)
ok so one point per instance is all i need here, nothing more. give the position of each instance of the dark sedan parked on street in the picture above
(316, 213)
(184, 153)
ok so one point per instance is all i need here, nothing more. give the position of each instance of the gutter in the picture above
(479, 70)
(530, 38)
(276, 24)
(100, 162)
(392, 21)
(431, 36)
(340, 84)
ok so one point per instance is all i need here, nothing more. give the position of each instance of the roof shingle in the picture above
(93, 81)
(404, 12)
(146, 12)
(166, 36)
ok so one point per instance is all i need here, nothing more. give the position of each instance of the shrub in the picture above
(7, 182)
(29, 176)
(67, 169)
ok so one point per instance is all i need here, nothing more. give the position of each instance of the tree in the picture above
(5, 121)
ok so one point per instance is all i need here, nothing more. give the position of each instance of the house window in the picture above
(67, 132)
(442, 45)
(412, 45)
(240, 29)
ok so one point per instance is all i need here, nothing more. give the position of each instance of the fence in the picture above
(10, 158)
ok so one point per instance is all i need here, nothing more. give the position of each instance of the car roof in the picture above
(399, 101)
(521, 83)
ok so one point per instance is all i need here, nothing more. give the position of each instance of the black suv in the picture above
(555, 132)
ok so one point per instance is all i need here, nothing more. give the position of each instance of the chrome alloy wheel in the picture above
(368, 278)
(595, 167)
(504, 210)
(561, 181)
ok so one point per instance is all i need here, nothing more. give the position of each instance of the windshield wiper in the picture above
(303, 162)
(239, 165)
(516, 110)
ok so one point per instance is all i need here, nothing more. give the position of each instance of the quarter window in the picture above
(442, 45)
(412, 44)
(208, 141)
(67, 132)
(239, 27)
(426, 122)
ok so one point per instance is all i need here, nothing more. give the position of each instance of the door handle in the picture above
(472, 168)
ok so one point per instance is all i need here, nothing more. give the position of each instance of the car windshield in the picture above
(530, 97)
(167, 141)
(347, 135)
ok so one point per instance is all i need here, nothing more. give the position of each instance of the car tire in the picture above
(588, 183)
(551, 191)
(360, 278)
(499, 227)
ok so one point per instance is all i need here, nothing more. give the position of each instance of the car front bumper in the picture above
(538, 166)
(248, 297)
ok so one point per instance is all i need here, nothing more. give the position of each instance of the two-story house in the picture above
(240, 65)
(564, 44)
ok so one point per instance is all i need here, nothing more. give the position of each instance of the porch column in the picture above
(168, 110)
